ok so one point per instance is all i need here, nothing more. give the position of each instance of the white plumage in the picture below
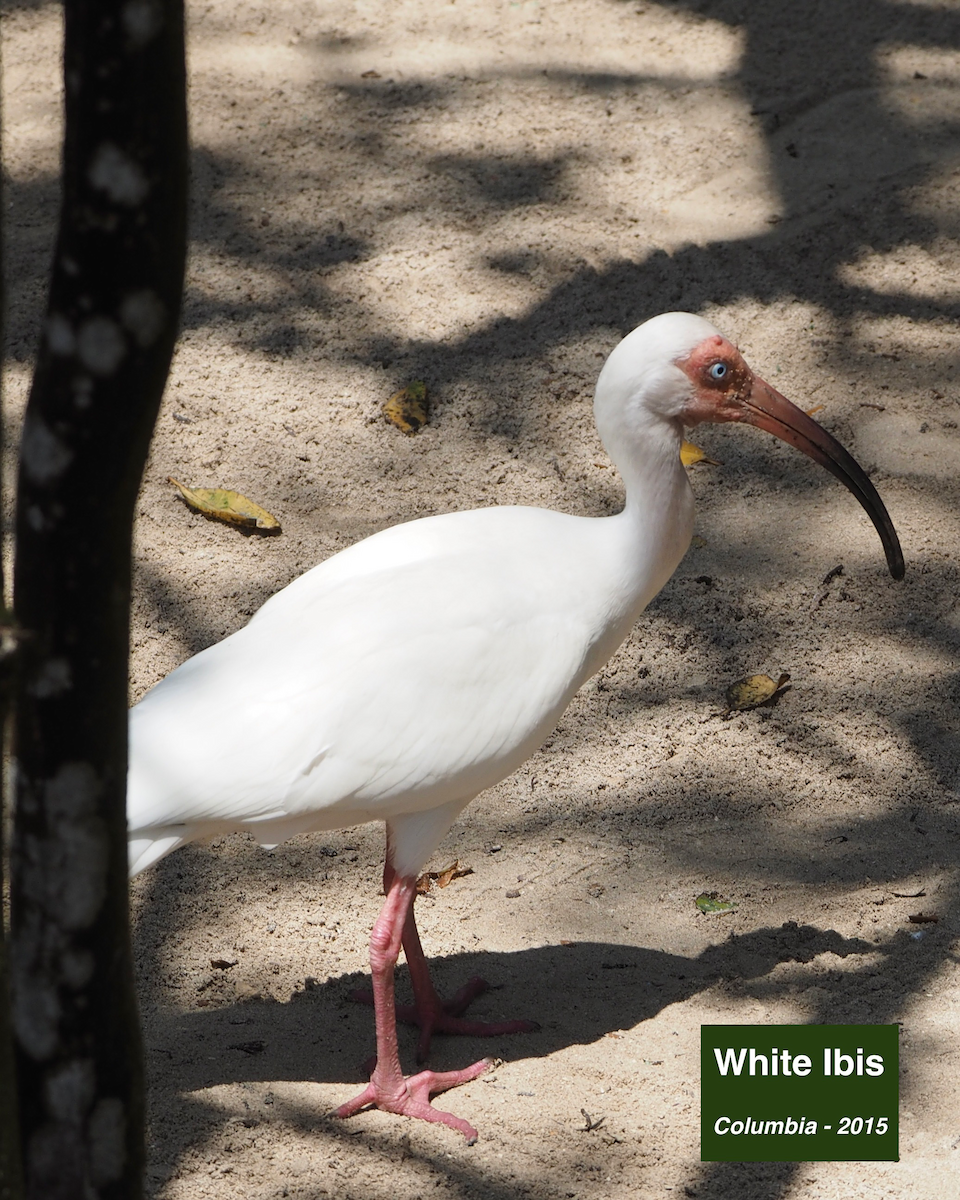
(403, 676)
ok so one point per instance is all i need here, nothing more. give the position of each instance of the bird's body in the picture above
(403, 676)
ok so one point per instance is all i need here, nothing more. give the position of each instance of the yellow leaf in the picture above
(221, 504)
(407, 409)
(816, 408)
(691, 454)
(753, 691)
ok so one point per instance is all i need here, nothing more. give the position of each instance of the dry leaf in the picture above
(456, 870)
(816, 408)
(698, 543)
(407, 409)
(753, 691)
(221, 504)
(691, 454)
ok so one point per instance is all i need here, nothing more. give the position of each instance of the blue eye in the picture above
(718, 371)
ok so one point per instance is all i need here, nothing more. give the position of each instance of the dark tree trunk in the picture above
(111, 323)
(10, 1176)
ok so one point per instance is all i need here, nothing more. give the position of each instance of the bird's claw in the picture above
(410, 1097)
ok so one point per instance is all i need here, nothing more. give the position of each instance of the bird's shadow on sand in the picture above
(321, 1035)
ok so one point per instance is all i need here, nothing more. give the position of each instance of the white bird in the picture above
(328, 709)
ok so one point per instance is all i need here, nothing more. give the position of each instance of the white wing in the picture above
(408, 672)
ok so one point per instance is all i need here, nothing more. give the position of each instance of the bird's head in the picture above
(680, 369)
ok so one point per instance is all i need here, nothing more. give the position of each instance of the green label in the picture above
(799, 1093)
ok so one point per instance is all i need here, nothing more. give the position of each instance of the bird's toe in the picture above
(412, 1097)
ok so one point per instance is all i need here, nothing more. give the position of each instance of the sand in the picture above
(487, 196)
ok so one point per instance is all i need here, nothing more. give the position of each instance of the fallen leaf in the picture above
(909, 895)
(407, 409)
(698, 543)
(713, 903)
(224, 963)
(456, 870)
(753, 691)
(222, 504)
(254, 1047)
(691, 454)
(816, 408)
(922, 918)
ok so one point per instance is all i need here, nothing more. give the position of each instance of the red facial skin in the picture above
(716, 399)
(739, 395)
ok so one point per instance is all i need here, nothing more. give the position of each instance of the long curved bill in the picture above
(768, 410)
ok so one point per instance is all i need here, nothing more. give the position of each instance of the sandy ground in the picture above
(486, 196)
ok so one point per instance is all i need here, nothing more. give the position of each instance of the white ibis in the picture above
(403, 676)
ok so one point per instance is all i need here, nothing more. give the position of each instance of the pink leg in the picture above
(388, 1089)
(432, 1014)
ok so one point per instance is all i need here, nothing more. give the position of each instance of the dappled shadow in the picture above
(301, 238)
(503, 182)
(610, 987)
(315, 1036)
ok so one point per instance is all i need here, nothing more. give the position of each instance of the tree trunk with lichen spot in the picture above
(108, 338)
(10, 1177)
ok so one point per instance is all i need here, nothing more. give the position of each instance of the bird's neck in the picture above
(657, 518)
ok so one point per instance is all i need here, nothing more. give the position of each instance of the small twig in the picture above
(833, 573)
(591, 1124)
(825, 585)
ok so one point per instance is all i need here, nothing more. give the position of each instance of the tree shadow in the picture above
(318, 1035)
(843, 162)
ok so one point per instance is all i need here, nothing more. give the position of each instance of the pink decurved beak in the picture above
(764, 407)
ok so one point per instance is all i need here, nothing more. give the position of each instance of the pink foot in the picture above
(395, 928)
(410, 1097)
(434, 1015)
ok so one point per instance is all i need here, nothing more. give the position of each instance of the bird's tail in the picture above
(145, 847)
